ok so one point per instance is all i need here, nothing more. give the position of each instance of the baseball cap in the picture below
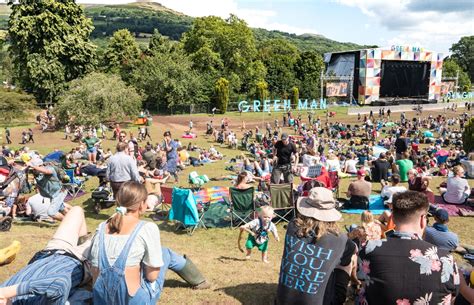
(441, 214)
(361, 172)
(284, 136)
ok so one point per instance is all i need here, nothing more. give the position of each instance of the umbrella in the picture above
(378, 150)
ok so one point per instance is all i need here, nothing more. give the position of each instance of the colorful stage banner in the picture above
(336, 89)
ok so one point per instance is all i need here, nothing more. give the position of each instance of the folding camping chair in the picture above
(185, 210)
(75, 185)
(281, 196)
(242, 205)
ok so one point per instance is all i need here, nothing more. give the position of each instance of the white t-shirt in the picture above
(351, 166)
(309, 160)
(389, 190)
(333, 165)
(39, 206)
(254, 225)
(457, 190)
(145, 248)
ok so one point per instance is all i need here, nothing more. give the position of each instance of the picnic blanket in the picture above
(376, 206)
(212, 194)
(452, 209)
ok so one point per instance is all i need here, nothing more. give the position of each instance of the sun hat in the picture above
(319, 204)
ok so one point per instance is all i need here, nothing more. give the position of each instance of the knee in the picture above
(59, 288)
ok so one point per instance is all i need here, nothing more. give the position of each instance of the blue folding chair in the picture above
(184, 209)
(75, 185)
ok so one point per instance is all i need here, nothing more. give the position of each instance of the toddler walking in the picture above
(258, 230)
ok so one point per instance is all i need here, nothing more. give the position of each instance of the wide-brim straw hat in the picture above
(320, 205)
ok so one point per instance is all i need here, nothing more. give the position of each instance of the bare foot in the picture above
(247, 257)
(266, 261)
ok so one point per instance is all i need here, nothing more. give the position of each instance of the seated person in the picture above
(418, 183)
(457, 189)
(380, 168)
(54, 273)
(133, 248)
(403, 166)
(468, 165)
(439, 234)
(389, 190)
(359, 192)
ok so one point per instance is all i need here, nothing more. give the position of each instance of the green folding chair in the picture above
(281, 196)
(242, 205)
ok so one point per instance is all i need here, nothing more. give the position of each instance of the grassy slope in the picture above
(234, 281)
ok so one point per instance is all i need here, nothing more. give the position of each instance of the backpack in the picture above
(262, 232)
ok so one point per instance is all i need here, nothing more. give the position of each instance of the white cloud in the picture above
(416, 24)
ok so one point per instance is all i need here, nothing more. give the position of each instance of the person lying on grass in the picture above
(258, 230)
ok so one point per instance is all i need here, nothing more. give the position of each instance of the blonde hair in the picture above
(265, 210)
(130, 196)
(366, 217)
(308, 226)
(457, 169)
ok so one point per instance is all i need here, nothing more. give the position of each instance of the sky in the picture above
(432, 24)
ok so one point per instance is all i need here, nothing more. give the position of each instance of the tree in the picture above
(262, 90)
(96, 98)
(295, 95)
(224, 48)
(167, 79)
(160, 43)
(463, 54)
(468, 136)
(15, 104)
(308, 72)
(451, 69)
(279, 57)
(222, 94)
(121, 53)
(49, 45)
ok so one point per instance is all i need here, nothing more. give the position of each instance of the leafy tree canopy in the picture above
(122, 52)
(451, 69)
(15, 104)
(308, 72)
(168, 80)
(96, 98)
(463, 54)
(49, 45)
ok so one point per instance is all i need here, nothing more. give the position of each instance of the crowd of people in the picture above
(397, 258)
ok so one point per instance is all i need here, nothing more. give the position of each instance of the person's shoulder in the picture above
(150, 228)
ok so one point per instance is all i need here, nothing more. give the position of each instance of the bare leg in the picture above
(73, 227)
(265, 257)
(249, 252)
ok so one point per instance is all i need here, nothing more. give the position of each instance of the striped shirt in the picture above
(50, 280)
(442, 239)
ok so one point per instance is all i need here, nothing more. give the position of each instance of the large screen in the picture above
(405, 79)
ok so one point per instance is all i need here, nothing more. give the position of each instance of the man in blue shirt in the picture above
(439, 234)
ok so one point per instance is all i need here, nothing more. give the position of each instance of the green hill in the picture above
(142, 18)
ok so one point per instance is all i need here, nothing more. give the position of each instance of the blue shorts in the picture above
(92, 150)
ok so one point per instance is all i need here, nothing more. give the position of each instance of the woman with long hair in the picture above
(314, 247)
(129, 264)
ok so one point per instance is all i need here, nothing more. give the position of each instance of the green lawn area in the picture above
(234, 281)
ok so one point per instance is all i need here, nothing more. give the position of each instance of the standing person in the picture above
(380, 169)
(315, 254)
(283, 151)
(49, 185)
(103, 130)
(117, 132)
(7, 135)
(404, 269)
(129, 265)
(170, 148)
(191, 124)
(121, 168)
(388, 113)
(91, 146)
(30, 136)
(401, 144)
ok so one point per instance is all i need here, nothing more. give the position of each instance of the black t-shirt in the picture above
(284, 152)
(401, 145)
(307, 267)
(380, 170)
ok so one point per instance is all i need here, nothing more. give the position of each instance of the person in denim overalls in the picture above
(111, 285)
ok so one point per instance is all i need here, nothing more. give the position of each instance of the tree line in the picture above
(217, 60)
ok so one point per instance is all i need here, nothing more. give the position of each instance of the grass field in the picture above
(234, 281)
